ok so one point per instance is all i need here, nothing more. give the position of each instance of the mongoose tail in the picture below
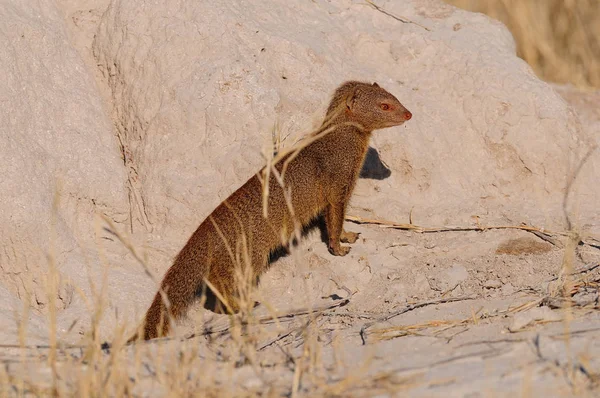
(318, 180)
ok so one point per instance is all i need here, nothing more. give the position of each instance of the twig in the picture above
(284, 335)
(410, 307)
(483, 354)
(270, 319)
(548, 236)
(305, 311)
(490, 342)
(583, 270)
(276, 339)
(418, 228)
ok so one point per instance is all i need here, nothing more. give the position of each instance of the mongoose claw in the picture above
(339, 251)
(349, 237)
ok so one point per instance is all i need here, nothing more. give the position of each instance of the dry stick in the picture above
(417, 228)
(410, 307)
(284, 335)
(548, 235)
(548, 238)
(270, 319)
(522, 307)
(279, 337)
(583, 270)
(453, 323)
(490, 342)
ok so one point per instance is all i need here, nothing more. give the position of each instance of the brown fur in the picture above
(320, 177)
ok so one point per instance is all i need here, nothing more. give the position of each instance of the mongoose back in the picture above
(318, 180)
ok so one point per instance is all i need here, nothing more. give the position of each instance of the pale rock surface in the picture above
(586, 103)
(59, 158)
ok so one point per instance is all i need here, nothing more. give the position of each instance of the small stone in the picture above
(392, 276)
(537, 314)
(492, 284)
(585, 298)
(456, 275)
(508, 289)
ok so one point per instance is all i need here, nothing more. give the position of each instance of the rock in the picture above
(59, 157)
(456, 275)
(448, 279)
(508, 289)
(585, 297)
(492, 284)
(537, 314)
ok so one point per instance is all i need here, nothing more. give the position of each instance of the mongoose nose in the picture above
(407, 115)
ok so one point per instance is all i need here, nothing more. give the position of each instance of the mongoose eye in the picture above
(385, 107)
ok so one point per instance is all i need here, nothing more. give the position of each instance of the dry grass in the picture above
(560, 39)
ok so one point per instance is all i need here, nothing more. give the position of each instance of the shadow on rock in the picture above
(374, 168)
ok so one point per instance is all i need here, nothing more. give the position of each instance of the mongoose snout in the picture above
(313, 180)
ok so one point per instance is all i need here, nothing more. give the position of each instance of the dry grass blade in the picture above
(410, 307)
(405, 330)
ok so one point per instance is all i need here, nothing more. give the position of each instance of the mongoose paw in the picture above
(339, 251)
(349, 237)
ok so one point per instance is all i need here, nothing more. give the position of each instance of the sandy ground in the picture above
(422, 314)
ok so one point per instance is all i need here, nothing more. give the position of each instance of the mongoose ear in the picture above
(350, 99)
(375, 84)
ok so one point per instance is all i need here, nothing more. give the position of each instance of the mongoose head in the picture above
(367, 105)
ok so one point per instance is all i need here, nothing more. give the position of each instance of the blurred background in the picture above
(560, 39)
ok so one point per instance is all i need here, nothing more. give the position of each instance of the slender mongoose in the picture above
(317, 180)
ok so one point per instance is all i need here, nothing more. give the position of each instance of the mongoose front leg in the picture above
(334, 220)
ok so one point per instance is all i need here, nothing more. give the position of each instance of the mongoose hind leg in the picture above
(349, 236)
